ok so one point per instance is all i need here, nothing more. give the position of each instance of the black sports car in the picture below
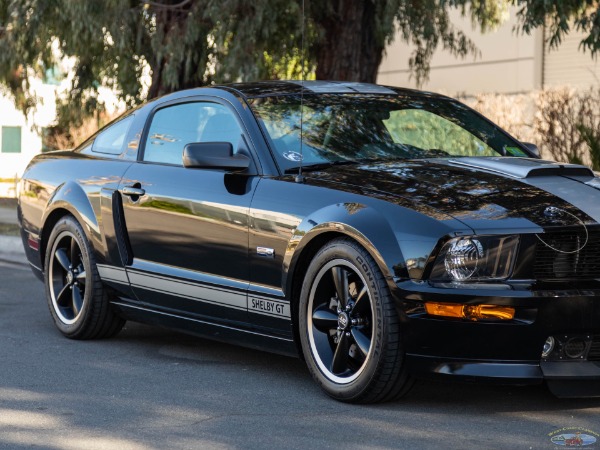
(382, 234)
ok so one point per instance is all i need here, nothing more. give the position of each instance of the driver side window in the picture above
(174, 127)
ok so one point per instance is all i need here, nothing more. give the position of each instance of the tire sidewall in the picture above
(353, 389)
(71, 225)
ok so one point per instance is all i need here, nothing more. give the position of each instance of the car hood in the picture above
(487, 194)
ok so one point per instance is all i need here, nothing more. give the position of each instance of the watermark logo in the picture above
(574, 437)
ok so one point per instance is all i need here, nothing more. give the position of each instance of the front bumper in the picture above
(503, 351)
(508, 372)
(565, 379)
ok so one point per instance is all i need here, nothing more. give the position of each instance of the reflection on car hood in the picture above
(483, 193)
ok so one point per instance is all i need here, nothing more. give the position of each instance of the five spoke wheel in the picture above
(349, 327)
(340, 321)
(67, 277)
(78, 300)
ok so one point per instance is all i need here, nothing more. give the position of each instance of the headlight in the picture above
(476, 258)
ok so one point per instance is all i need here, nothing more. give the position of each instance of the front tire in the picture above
(77, 299)
(349, 327)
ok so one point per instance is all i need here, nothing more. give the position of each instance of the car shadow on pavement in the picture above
(425, 394)
(152, 388)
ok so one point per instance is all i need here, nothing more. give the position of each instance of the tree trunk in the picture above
(156, 88)
(349, 50)
(168, 73)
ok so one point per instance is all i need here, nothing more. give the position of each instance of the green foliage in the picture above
(188, 43)
(109, 40)
(258, 39)
(560, 17)
(184, 43)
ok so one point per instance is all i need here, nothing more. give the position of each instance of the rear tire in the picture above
(349, 327)
(77, 299)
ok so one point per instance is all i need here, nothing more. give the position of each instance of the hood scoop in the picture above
(523, 167)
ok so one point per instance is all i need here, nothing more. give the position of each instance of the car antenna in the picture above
(300, 178)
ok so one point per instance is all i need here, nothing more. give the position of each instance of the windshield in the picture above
(349, 128)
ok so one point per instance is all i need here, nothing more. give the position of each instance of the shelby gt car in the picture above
(381, 234)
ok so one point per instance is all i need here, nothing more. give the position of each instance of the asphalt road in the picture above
(8, 214)
(150, 388)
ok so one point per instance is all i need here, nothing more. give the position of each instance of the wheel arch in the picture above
(362, 224)
(68, 199)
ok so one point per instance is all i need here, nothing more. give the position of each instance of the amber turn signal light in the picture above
(471, 312)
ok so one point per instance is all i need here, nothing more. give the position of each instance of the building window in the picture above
(11, 140)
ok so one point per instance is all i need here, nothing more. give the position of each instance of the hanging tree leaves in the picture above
(187, 43)
(111, 41)
(560, 17)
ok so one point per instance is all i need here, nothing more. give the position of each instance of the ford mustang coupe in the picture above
(381, 234)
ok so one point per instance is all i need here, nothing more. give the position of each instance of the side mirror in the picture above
(533, 149)
(213, 155)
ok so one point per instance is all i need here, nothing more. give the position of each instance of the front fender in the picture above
(358, 221)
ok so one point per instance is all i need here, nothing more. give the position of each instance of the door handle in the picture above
(132, 191)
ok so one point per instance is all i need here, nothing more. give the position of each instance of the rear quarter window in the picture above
(110, 141)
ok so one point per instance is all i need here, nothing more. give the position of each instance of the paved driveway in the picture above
(150, 388)
(8, 215)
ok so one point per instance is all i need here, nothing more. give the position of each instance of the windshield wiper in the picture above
(320, 166)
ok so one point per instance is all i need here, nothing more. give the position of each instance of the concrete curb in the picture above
(11, 250)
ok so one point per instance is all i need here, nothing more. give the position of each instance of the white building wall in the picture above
(508, 62)
(31, 143)
(13, 164)
(43, 115)
(568, 64)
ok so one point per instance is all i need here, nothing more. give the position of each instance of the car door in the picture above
(188, 228)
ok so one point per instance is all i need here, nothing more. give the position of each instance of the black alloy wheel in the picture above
(349, 327)
(77, 299)
(67, 278)
(340, 321)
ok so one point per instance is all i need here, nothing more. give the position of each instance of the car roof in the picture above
(294, 87)
(291, 87)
